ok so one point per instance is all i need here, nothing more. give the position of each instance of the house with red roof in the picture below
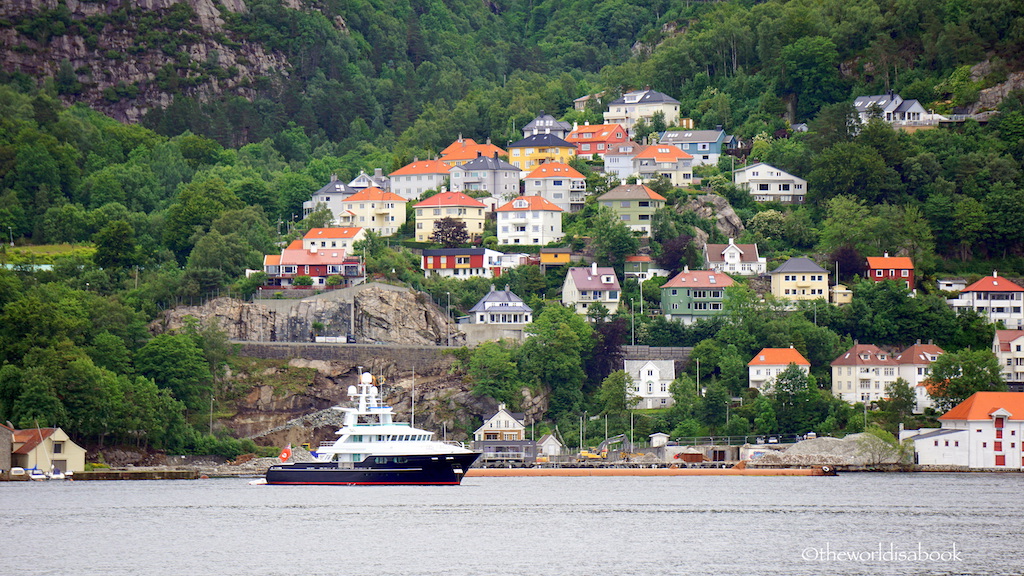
(694, 295)
(418, 176)
(663, 160)
(915, 366)
(1008, 346)
(898, 268)
(732, 258)
(529, 220)
(591, 139)
(770, 362)
(320, 254)
(585, 286)
(994, 298)
(982, 432)
(375, 210)
(454, 205)
(45, 449)
(558, 183)
(862, 373)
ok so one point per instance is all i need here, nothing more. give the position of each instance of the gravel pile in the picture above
(853, 450)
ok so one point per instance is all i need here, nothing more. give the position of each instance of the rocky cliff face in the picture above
(124, 57)
(717, 207)
(381, 315)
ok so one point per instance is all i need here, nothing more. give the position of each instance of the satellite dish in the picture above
(351, 390)
(367, 378)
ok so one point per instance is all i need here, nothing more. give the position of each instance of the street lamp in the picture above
(642, 296)
(632, 323)
(449, 323)
(10, 232)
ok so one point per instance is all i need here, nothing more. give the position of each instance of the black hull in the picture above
(441, 469)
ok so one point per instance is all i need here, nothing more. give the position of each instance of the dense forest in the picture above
(176, 207)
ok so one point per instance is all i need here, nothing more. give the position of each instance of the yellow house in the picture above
(799, 279)
(534, 150)
(555, 256)
(46, 449)
(455, 205)
(374, 209)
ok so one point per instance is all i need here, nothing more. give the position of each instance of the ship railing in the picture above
(455, 443)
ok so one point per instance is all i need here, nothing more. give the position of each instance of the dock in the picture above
(606, 471)
(152, 474)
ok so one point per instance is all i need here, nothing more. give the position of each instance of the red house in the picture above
(597, 139)
(891, 268)
(317, 263)
(461, 262)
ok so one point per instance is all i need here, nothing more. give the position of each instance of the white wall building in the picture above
(767, 183)
(651, 381)
(982, 432)
(862, 373)
(995, 298)
(915, 367)
(770, 362)
(529, 220)
(732, 258)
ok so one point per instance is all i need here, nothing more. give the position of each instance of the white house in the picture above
(651, 381)
(732, 258)
(994, 298)
(770, 362)
(501, 307)
(642, 104)
(982, 432)
(892, 108)
(915, 367)
(584, 286)
(862, 373)
(558, 183)
(492, 174)
(415, 178)
(330, 197)
(618, 159)
(767, 183)
(502, 425)
(1008, 346)
(529, 220)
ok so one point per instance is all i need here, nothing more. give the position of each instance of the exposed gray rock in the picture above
(716, 207)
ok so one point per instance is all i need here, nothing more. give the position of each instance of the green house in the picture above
(691, 296)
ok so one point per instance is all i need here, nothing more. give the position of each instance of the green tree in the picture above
(617, 393)
(176, 363)
(956, 375)
(115, 246)
(494, 373)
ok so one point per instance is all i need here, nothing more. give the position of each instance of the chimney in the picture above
(686, 269)
(730, 241)
(886, 254)
(488, 140)
(593, 268)
(378, 172)
(995, 274)
(495, 155)
(478, 154)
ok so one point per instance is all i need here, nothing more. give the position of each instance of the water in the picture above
(519, 526)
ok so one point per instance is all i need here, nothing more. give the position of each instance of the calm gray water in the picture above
(850, 524)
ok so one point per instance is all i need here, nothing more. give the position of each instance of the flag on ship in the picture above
(286, 453)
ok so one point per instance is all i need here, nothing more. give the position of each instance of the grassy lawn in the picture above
(46, 253)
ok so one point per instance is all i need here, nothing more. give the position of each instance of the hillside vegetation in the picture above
(244, 113)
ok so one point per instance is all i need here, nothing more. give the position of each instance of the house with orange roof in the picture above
(534, 150)
(898, 268)
(983, 432)
(694, 295)
(375, 210)
(635, 205)
(486, 174)
(770, 362)
(319, 255)
(465, 149)
(596, 139)
(529, 220)
(454, 205)
(862, 373)
(418, 176)
(915, 366)
(585, 286)
(732, 258)
(663, 160)
(994, 298)
(558, 183)
(1008, 346)
(45, 449)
